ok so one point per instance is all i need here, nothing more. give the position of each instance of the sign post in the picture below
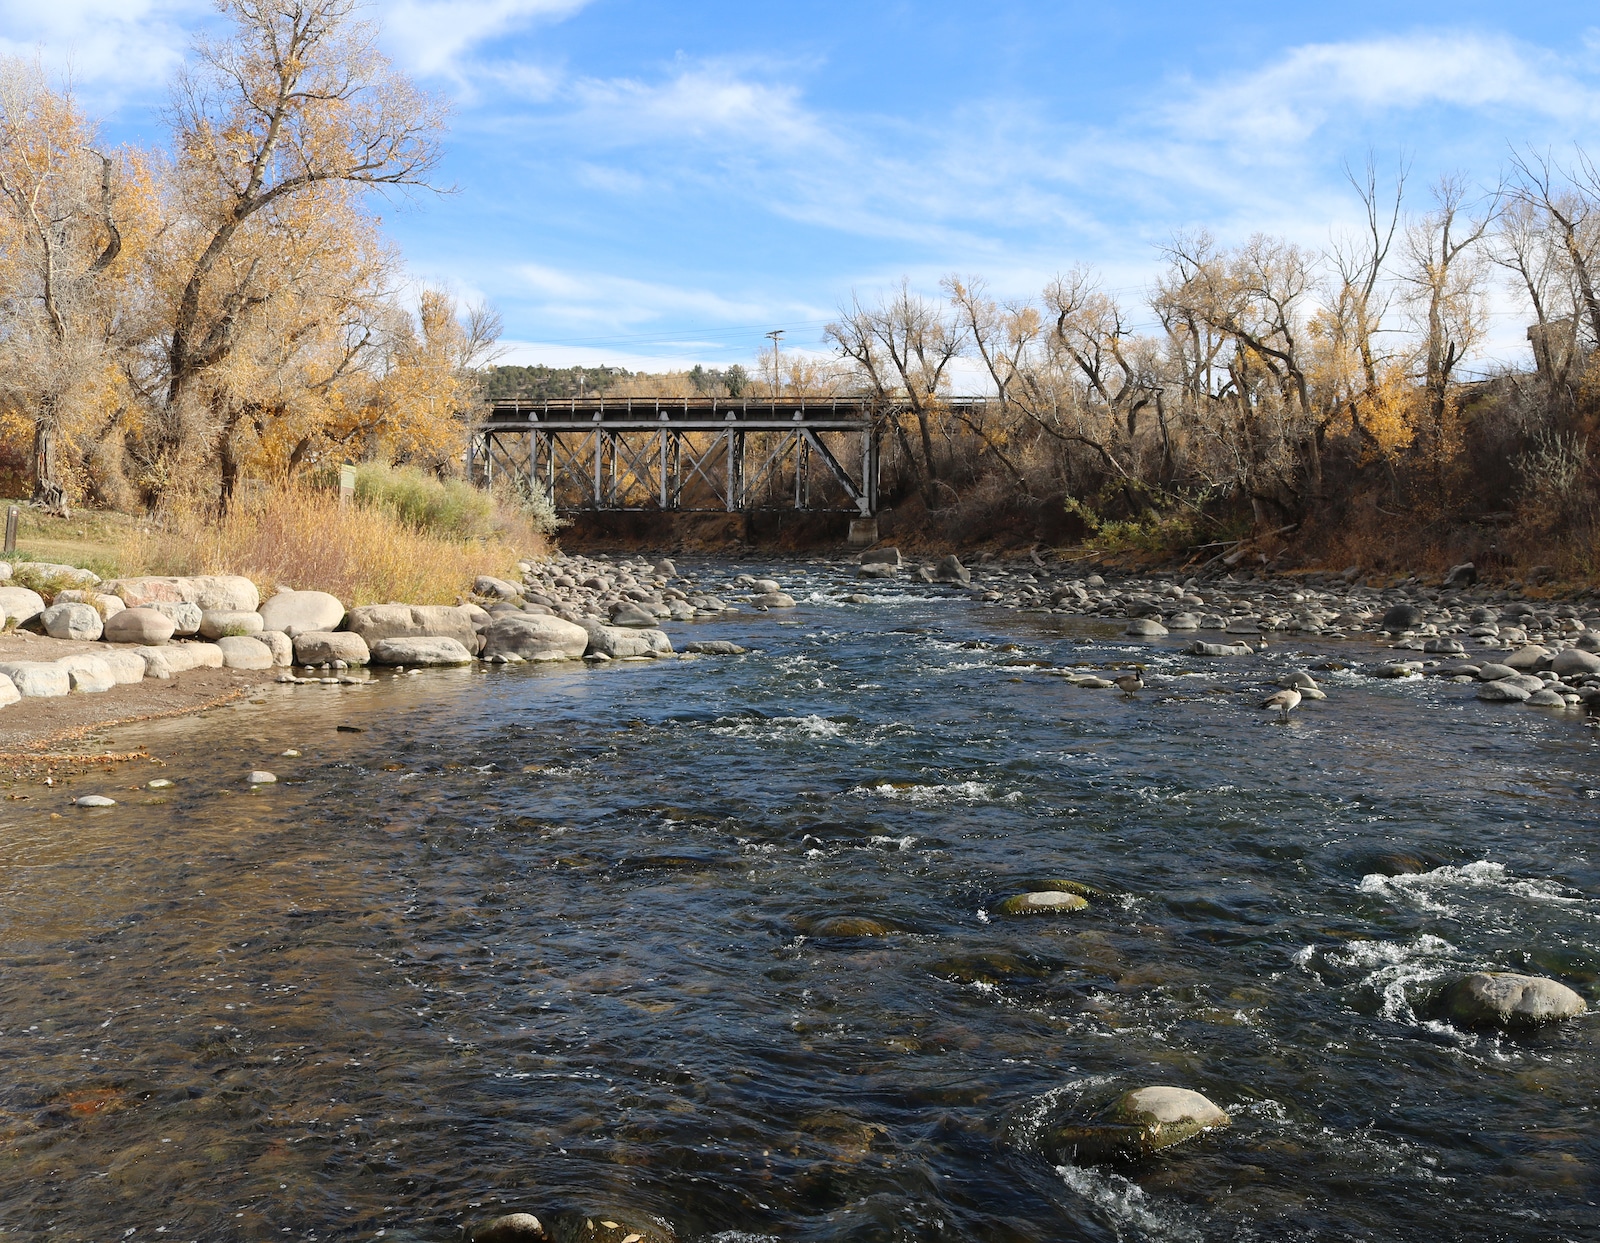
(13, 514)
(347, 483)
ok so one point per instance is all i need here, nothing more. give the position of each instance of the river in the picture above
(590, 939)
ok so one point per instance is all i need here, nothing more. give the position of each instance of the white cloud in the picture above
(430, 36)
(589, 298)
(107, 48)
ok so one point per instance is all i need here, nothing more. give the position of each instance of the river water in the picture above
(579, 939)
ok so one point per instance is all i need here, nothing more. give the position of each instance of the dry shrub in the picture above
(306, 540)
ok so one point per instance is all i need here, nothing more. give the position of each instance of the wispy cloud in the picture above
(431, 37)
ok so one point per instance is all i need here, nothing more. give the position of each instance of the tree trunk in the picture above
(47, 489)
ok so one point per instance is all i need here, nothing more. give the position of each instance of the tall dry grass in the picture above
(304, 539)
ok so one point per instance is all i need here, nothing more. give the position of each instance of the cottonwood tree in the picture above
(296, 104)
(902, 348)
(62, 204)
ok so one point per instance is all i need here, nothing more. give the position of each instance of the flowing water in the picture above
(592, 939)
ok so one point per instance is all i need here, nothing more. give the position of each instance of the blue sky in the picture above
(660, 184)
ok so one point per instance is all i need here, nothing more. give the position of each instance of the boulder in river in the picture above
(1505, 999)
(421, 652)
(1201, 648)
(880, 556)
(530, 636)
(512, 1228)
(1144, 628)
(714, 647)
(773, 600)
(1574, 660)
(244, 651)
(629, 613)
(614, 642)
(1502, 690)
(1493, 671)
(1043, 902)
(323, 647)
(1528, 657)
(950, 570)
(1138, 1124)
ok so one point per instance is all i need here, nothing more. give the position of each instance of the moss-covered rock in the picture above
(1137, 1124)
(1043, 902)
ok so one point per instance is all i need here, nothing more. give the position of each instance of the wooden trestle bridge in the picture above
(646, 453)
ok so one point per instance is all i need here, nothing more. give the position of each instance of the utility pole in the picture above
(774, 336)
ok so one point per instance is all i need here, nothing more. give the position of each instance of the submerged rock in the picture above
(512, 1228)
(1043, 902)
(1138, 1124)
(1505, 999)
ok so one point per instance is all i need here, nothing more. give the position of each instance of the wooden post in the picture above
(13, 514)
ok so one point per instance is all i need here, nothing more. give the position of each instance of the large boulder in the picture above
(301, 612)
(105, 605)
(72, 621)
(50, 577)
(323, 647)
(244, 652)
(1505, 999)
(37, 679)
(1144, 628)
(628, 613)
(9, 694)
(1401, 617)
(185, 616)
(416, 621)
(1529, 657)
(19, 604)
(530, 636)
(425, 650)
(141, 625)
(219, 623)
(1463, 575)
(220, 593)
(950, 570)
(87, 672)
(615, 642)
(1574, 660)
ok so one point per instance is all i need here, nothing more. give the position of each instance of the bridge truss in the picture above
(706, 454)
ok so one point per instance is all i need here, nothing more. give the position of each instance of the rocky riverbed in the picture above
(901, 908)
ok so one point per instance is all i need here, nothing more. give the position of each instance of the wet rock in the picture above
(217, 625)
(1138, 1124)
(1093, 683)
(244, 652)
(665, 568)
(1183, 621)
(37, 679)
(714, 647)
(1544, 699)
(880, 556)
(1145, 627)
(1507, 1000)
(1494, 672)
(1528, 657)
(512, 1228)
(950, 570)
(94, 800)
(261, 777)
(72, 621)
(1042, 902)
(323, 647)
(139, 625)
(850, 926)
(1201, 648)
(1502, 690)
(1444, 647)
(302, 612)
(19, 604)
(773, 600)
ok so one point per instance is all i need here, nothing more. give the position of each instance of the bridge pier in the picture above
(863, 532)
